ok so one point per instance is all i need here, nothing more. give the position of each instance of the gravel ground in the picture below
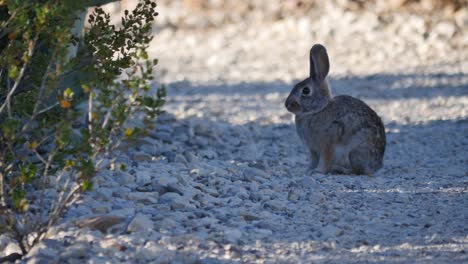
(222, 179)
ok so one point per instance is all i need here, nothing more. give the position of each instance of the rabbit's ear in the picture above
(319, 64)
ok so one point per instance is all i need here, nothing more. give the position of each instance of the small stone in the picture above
(143, 177)
(275, 205)
(11, 248)
(142, 157)
(102, 209)
(125, 178)
(293, 195)
(161, 135)
(150, 251)
(166, 183)
(45, 252)
(331, 231)
(250, 217)
(145, 198)
(145, 188)
(175, 200)
(250, 173)
(263, 232)
(209, 154)
(443, 29)
(42, 258)
(104, 193)
(165, 224)
(98, 260)
(101, 223)
(77, 250)
(190, 157)
(170, 155)
(140, 222)
(123, 211)
(232, 235)
(180, 158)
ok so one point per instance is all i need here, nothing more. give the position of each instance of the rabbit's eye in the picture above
(306, 90)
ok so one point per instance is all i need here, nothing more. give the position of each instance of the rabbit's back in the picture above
(357, 115)
(347, 116)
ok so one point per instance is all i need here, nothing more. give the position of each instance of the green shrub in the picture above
(63, 112)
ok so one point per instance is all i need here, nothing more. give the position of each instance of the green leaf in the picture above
(28, 172)
(13, 72)
(68, 93)
(86, 185)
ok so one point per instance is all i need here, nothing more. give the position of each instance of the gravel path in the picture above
(222, 179)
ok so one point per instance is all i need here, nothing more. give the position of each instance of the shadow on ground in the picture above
(377, 86)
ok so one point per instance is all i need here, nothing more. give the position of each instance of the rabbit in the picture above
(343, 134)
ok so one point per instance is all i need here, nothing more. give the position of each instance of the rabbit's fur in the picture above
(342, 133)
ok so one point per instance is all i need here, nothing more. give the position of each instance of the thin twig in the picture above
(47, 109)
(40, 157)
(2, 186)
(40, 95)
(31, 46)
(60, 207)
(90, 112)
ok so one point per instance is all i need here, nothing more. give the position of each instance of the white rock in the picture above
(251, 173)
(164, 179)
(276, 205)
(104, 193)
(123, 212)
(443, 29)
(142, 157)
(140, 222)
(232, 235)
(263, 232)
(77, 250)
(144, 197)
(175, 200)
(143, 177)
(150, 251)
(11, 248)
(101, 223)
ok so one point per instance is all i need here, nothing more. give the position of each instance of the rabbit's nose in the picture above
(292, 106)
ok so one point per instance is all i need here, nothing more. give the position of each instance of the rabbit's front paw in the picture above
(314, 170)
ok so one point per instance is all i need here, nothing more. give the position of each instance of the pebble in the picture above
(140, 222)
(175, 200)
(142, 157)
(77, 250)
(101, 223)
(232, 235)
(143, 177)
(144, 197)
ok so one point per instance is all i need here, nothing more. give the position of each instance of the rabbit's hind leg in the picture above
(364, 160)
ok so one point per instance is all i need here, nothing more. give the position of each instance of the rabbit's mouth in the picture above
(293, 106)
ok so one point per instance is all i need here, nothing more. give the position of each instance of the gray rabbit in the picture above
(342, 133)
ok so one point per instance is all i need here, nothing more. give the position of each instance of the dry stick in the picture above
(39, 96)
(47, 109)
(2, 185)
(59, 209)
(31, 46)
(47, 163)
(90, 112)
(8, 102)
